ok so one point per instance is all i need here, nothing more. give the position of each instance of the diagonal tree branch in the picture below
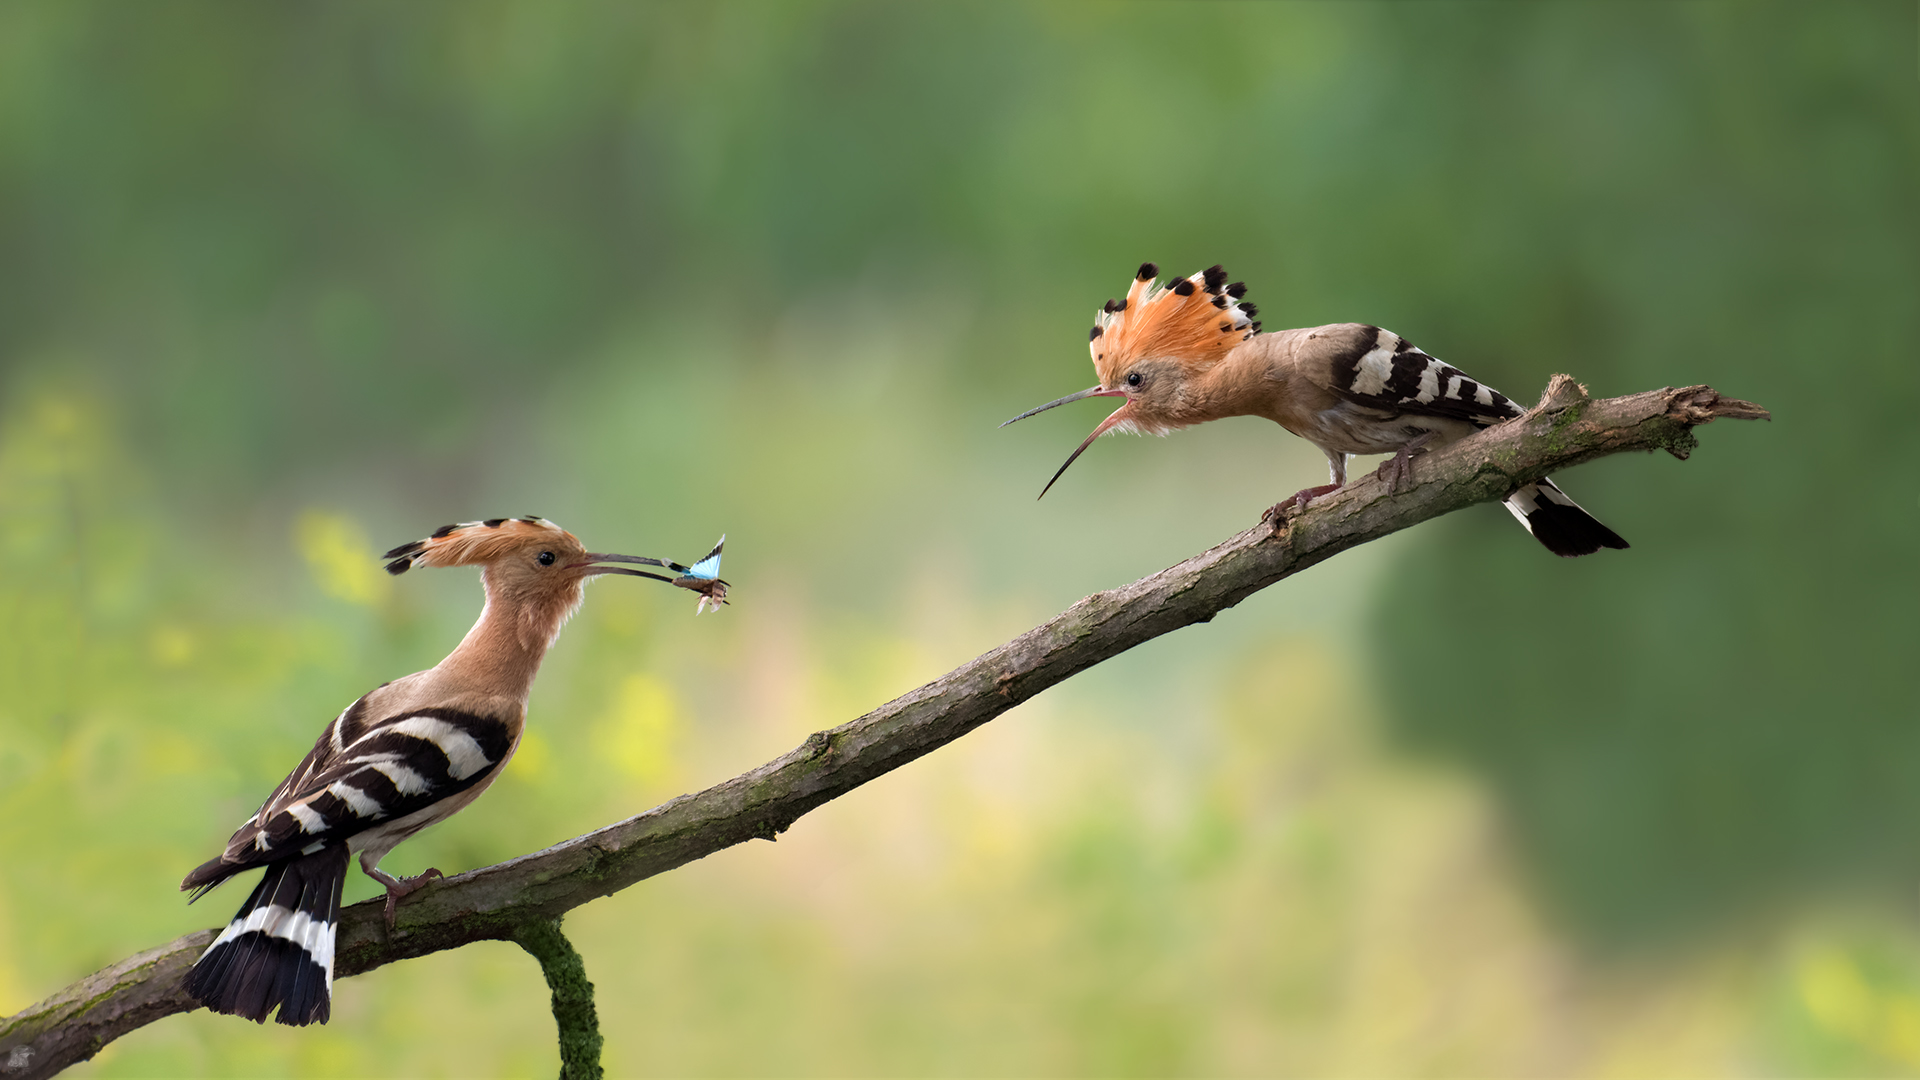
(500, 902)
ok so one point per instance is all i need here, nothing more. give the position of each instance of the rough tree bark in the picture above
(506, 901)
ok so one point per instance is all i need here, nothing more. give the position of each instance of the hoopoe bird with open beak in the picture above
(1191, 351)
(407, 755)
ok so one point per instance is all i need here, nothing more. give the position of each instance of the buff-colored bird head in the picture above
(529, 563)
(1148, 347)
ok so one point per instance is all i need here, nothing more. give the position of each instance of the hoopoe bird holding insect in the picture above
(1191, 351)
(407, 755)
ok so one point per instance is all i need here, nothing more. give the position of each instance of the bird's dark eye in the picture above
(1133, 379)
(546, 558)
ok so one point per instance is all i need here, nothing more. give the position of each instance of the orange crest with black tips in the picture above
(1196, 320)
(473, 543)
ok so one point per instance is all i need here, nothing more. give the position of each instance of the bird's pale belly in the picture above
(1350, 429)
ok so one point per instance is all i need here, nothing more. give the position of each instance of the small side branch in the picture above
(573, 1010)
(497, 902)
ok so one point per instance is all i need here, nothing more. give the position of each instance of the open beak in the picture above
(1091, 391)
(1117, 416)
(588, 569)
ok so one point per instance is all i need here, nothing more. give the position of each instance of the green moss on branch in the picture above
(573, 1009)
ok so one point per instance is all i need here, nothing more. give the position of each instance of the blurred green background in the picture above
(284, 285)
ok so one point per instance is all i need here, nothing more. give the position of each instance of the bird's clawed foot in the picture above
(399, 887)
(1277, 513)
(1398, 469)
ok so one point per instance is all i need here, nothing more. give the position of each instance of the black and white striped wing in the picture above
(360, 775)
(1383, 370)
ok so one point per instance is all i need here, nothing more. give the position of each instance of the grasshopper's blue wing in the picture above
(708, 568)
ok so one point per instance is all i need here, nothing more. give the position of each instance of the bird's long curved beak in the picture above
(1116, 417)
(1091, 391)
(588, 569)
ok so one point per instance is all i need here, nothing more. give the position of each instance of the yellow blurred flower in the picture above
(1836, 995)
(637, 735)
(1900, 1037)
(171, 645)
(342, 557)
(533, 760)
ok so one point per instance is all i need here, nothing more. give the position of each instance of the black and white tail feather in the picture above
(368, 782)
(1398, 378)
(278, 950)
(1560, 523)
